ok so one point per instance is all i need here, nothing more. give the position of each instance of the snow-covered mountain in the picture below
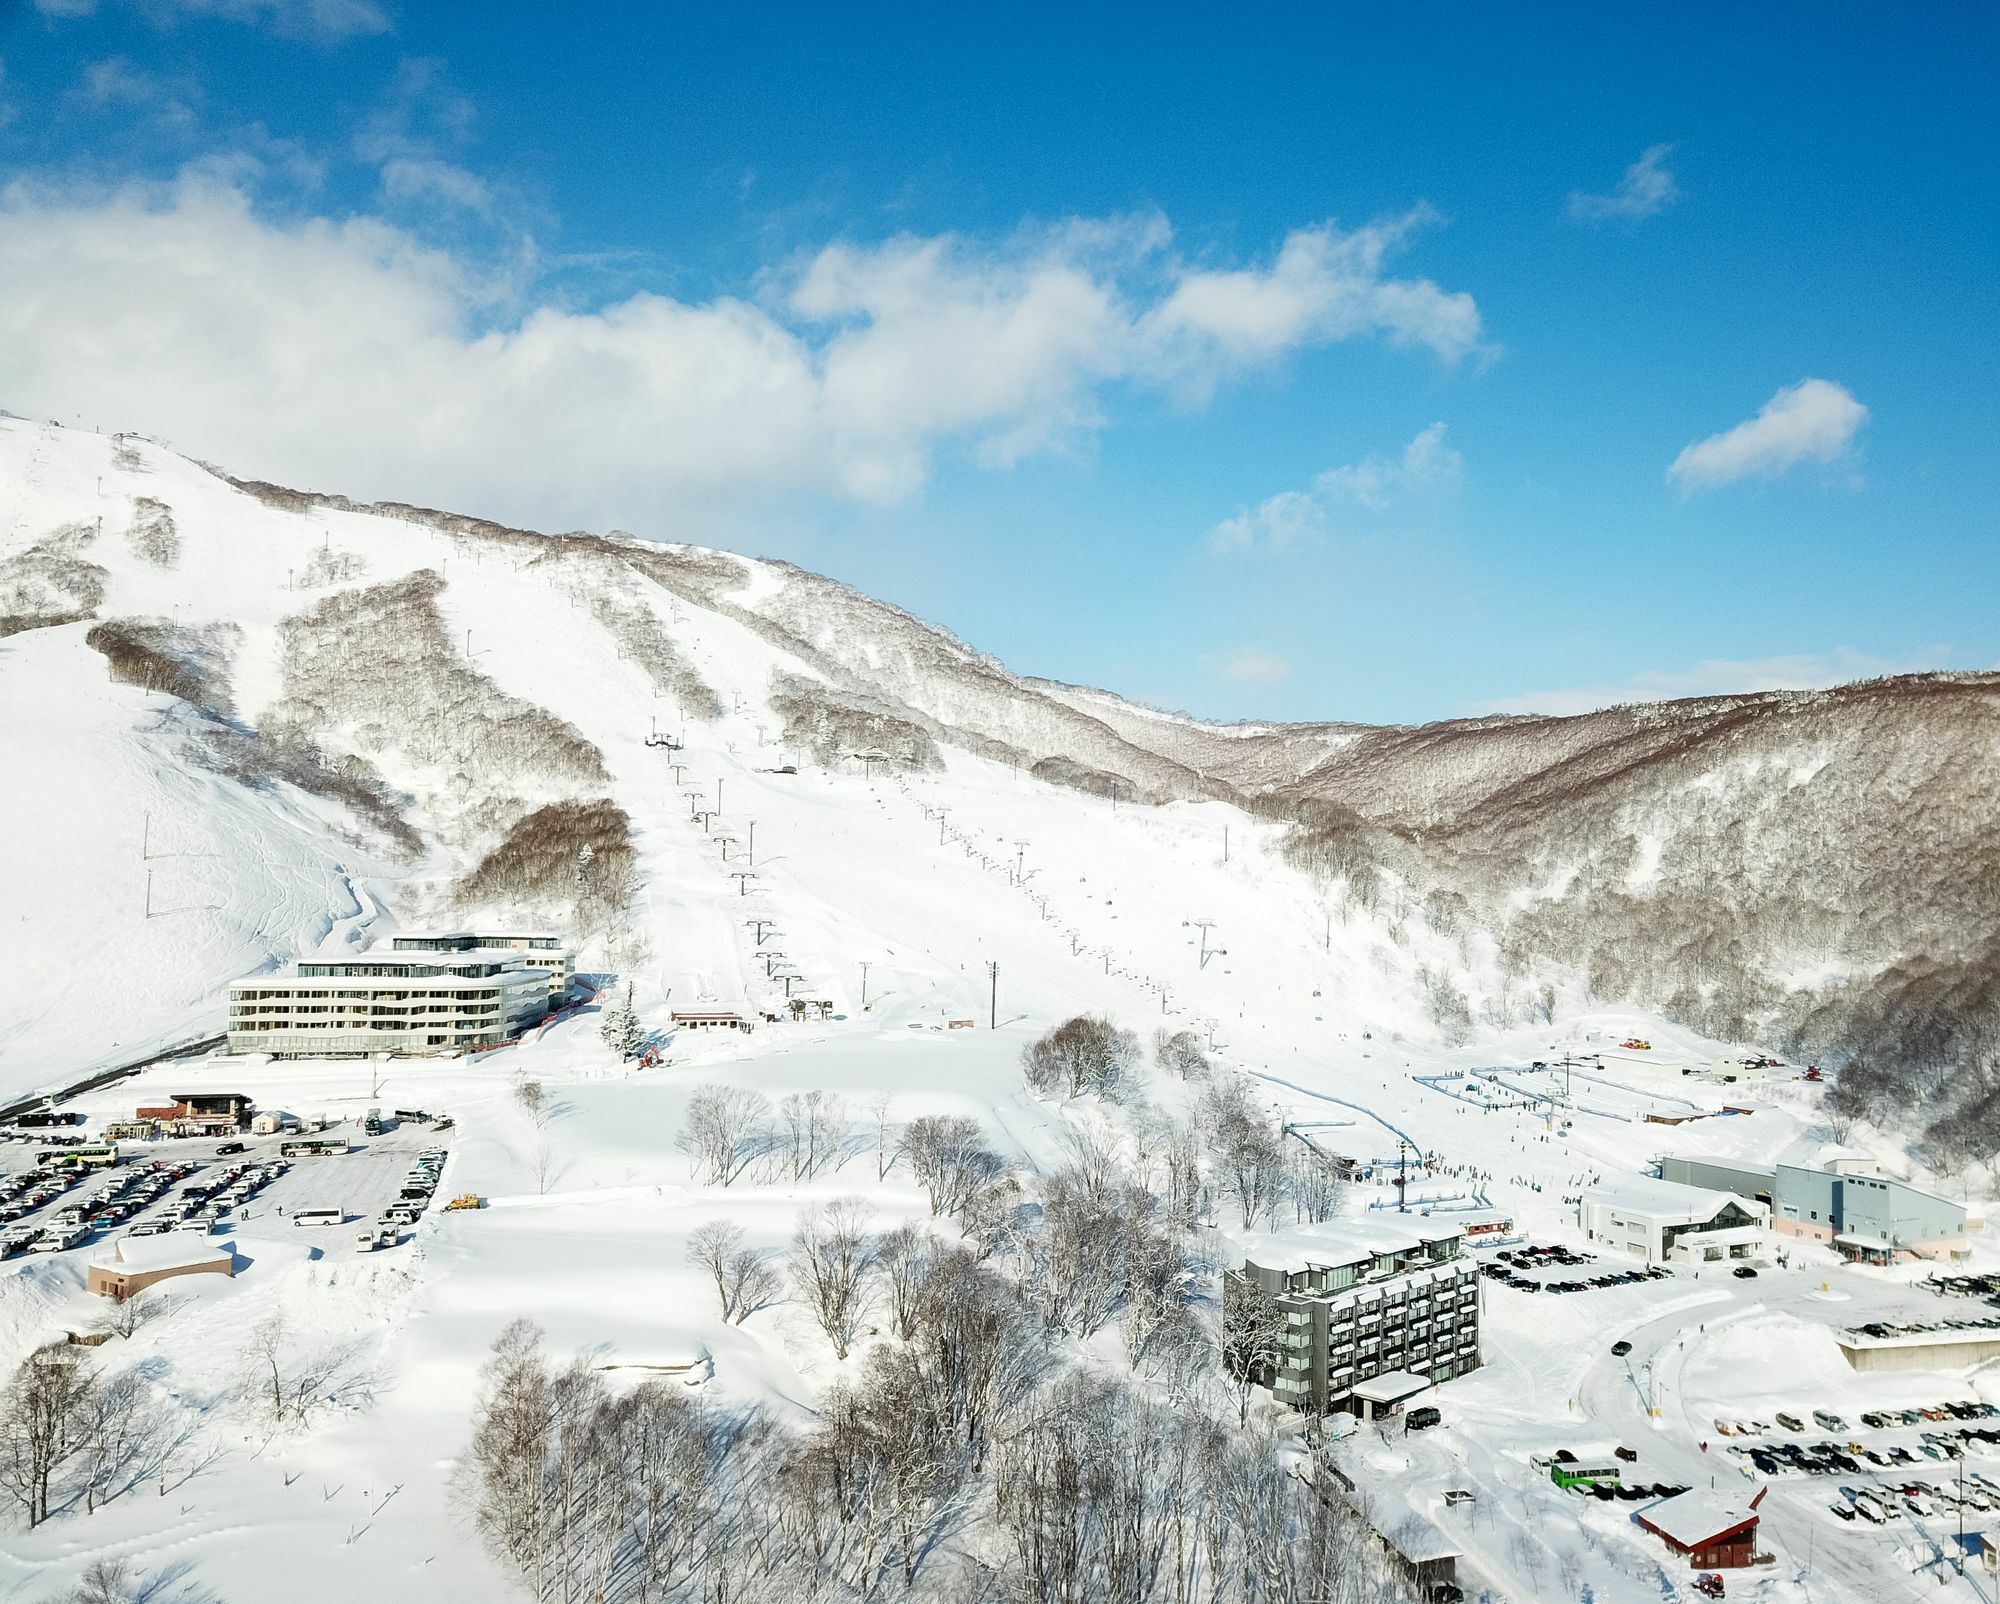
(243, 720)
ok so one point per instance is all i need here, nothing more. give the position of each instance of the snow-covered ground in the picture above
(927, 880)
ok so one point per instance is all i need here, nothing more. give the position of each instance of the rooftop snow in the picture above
(1694, 1518)
(1647, 1195)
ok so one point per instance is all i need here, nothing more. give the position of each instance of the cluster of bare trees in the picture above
(72, 1436)
(164, 656)
(1103, 1492)
(642, 639)
(50, 583)
(731, 1131)
(152, 535)
(1085, 1054)
(593, 1495)
(1179, 1052)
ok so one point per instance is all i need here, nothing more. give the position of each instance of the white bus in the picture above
(320, 1217)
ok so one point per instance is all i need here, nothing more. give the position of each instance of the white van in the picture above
(319, 1217)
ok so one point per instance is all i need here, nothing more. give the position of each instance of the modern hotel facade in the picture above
(1368, 1303)
(407, 1003)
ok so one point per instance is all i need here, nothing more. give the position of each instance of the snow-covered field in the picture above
(927, 880)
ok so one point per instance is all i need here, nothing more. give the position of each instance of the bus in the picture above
(312, 1147)
(67, 1158)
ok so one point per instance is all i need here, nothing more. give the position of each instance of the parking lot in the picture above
(1545, 1269)
(187, 1184)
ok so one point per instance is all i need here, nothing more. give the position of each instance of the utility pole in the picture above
(149, 893)
(718, 793)
(146, 838)
(993, 1004)
(864, 985)
(760, 924)
(743, 877)
(1402, 1176)
(750, 851)
(1225, 843)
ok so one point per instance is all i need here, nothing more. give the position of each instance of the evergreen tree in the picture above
(621, 1029)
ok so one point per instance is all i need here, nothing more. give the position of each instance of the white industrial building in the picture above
(1664, 1222)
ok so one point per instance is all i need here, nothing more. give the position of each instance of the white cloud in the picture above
(309, 19)
(1427, 466)
(1805, 671)
(348, 354)
(1249, 666)
(1812, 421)
(1646, 189)
(1324, 285)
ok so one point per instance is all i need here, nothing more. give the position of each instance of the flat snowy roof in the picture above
(1346, 1241)
(1646, 1195)
(1392, 1387)
(176, 1250)
(1695, 1518)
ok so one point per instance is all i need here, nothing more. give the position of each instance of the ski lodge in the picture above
(1666, 1222)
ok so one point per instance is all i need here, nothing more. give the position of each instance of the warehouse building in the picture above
(1375, 1311)
(1667, 1222)
(1843, 1200)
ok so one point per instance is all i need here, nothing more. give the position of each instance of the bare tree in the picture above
(44, 1419)
(289, 1375)
(1085, 1054)
(905, 1256)
(130, 1312)
(709, 1249)
(832, 1262)
(1180, 1052)
(887, 1137)
(1244, 1148)
(1253, 1338)
(812, 1128)
(949, 1156)
(533, 1101)
(727, 1126)
(752, 1281)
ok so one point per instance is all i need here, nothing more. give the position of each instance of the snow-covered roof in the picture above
(513, 971)
(1695, 1518)
(1642, 1194)
(1392, 1386)
(175, 1250)
(1420, 1542)
(1346, 1241)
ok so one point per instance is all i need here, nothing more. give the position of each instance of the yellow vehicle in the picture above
(466, 1200)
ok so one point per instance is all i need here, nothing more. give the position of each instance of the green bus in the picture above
(77, 1158)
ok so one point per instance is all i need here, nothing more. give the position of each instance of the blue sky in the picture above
(1390, 364)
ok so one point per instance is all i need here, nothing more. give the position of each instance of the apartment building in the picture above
(1375, 1310)
(544, 946)
(407, 1003)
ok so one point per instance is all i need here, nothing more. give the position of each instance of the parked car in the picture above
(1743, 1272)
(1620, 1349)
